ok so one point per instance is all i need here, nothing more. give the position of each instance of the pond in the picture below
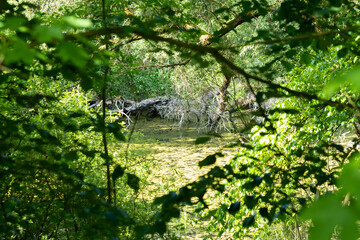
(174, 147)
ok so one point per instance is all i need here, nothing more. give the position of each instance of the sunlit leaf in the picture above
(326, 213)
(77, 22)
(350, 177)
(351, 78)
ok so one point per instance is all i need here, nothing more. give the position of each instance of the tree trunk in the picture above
(222, 101)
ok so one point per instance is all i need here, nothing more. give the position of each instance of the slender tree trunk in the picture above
(106, 152)
(222, 101)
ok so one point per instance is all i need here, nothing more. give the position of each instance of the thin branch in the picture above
(240, 19)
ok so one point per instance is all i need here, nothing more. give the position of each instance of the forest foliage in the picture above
(59, 177)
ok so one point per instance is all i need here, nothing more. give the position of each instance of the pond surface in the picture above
(176, 158)
(174, 147)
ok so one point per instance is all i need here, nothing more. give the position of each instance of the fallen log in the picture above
(150, 105)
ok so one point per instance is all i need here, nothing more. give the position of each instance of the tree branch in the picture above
(221, 59)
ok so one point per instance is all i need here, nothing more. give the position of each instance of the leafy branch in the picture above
(221, 59)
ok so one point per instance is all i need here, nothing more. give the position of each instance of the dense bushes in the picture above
(59, 176)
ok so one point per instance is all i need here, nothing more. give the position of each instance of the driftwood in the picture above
(150, 104)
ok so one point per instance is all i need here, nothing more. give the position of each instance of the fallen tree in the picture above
(152, 105)
(209, 111)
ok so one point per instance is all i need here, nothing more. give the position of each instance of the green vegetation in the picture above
(260, 131)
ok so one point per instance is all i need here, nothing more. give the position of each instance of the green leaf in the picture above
(246, 5)
(287, 65)
(47, 33)
(291, 53)
(305, 58)
(76, 114)
(335, 3)
(330, 210)
(117, 173)
(70, 128)
(77, 22)
(133, 181)
(326, 213)
(350, 177)
(19, 51)
(234, 208)
(140, 230)
(14, 23)
(306, 42)
(73, 54)
(250, 201)
(115, 128)
(263, 33)
(211, 159)
(352, 79)
(86, 83)
(291, 29)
